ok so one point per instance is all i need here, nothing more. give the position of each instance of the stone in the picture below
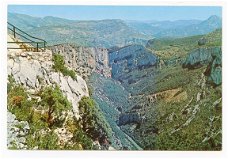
(171, 117)
(29, 58)
(10, 65)
(64, 85)
(41, 59)
(198, 97)
(79, 83)
(30, 53)
(21, 133)
(21, 139)
(28, 72)
(202, 41)
(10, 117)
(23, 54)
(15, 68)
(63, 135)
(36, 148)
(150, 43)
(129, 118)
(15, 134)
(216, 103)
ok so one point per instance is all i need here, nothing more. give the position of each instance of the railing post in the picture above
(37, 46)
(44, 45)
(14, 32)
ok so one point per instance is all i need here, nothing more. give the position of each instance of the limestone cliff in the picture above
(84, 60)
(129, 58)
(45, 103)
(207, 56)
(34, 70)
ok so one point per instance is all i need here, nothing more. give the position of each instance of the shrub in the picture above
(18, 103)
(10, 83)
(59, 66)
(55, 102)
(47, 141)
(83, 139)
(92, 119)
(86, 110)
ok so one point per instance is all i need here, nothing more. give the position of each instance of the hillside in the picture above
(171, 105)
(167, 48)
(100, 33)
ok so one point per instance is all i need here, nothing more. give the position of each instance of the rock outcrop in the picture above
(84, 60)
(214, 69)
(202, 41)
(210, 57)
(200, 56)
(34, 70)
(129, 118)
(16, 132)
(130, 58)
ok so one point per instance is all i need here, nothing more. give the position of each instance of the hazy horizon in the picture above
(129, 13)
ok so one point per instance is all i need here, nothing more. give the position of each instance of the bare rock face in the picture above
(200, 56)
(34, 73)
(84, 60)
(207, 56)
(202, 41)
(129, 118)
(63, 135)
(129, 58)
(16, 132)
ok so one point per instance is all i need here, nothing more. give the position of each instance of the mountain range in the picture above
(109, 32)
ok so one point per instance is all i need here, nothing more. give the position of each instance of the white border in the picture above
(4, 153)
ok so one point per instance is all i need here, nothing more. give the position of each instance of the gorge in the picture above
(129, 91)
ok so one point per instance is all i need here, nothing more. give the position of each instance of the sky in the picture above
(118, 12)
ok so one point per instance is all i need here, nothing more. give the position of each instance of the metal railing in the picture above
(25, 38)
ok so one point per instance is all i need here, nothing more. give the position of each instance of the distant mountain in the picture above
(109, 32)
(155, 27)
(204, 27)
(101, 33)
(179, 28)
(27, 22)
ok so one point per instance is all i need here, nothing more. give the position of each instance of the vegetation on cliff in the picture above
(47, 110)
(59, 65)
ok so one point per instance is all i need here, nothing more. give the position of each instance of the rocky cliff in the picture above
(33, 73)
(129, 118)
(129, 58)
(84, 60)
(212, 58)
(34, 70)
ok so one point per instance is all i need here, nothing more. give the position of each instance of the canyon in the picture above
(125, 93)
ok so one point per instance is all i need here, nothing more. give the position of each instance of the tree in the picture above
(53, 99)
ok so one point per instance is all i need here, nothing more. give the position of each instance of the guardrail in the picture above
(34, 42)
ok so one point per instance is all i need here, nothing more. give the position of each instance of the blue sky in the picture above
(118, 12)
